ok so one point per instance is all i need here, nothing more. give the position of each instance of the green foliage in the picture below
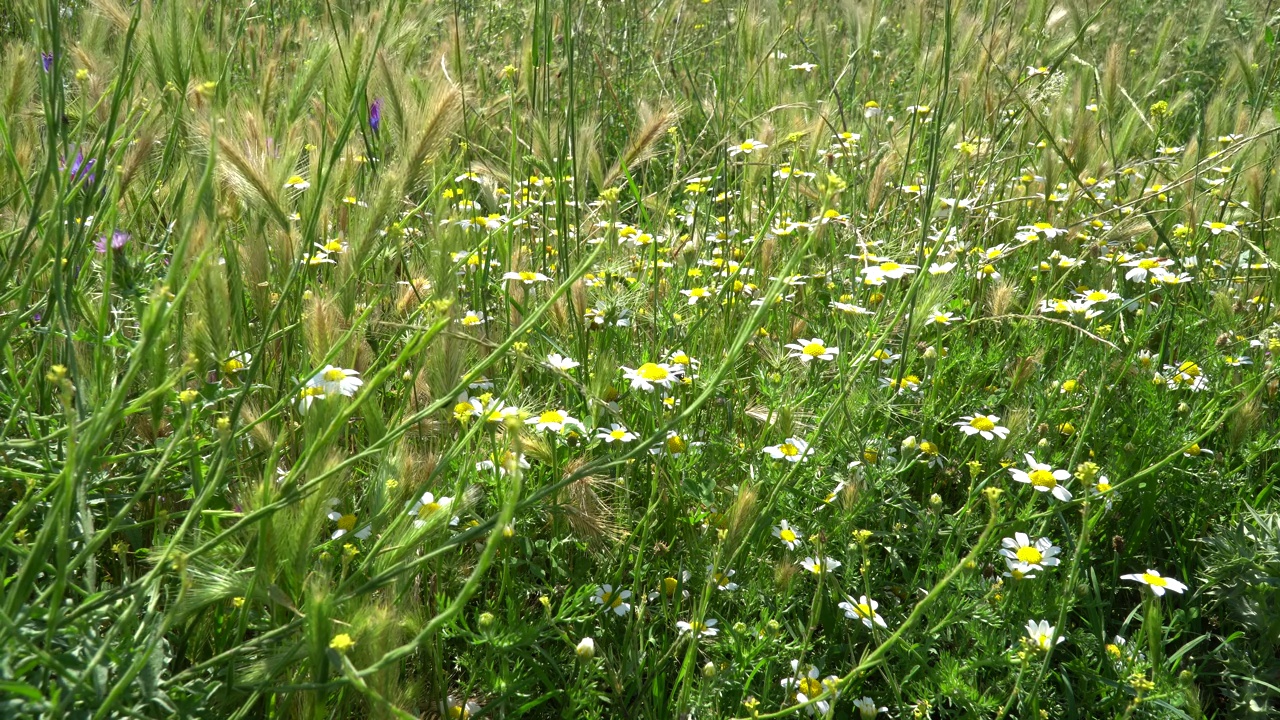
(557, 359)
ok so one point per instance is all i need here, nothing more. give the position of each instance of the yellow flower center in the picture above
(471, 319)
(810, 686)
(334, 375)
(788, 449)
(528, 276)
(653, 372)
(1154, 580)
(1194, 449)
(347, 522)
(1189, 368)
(1030, 555)
(1148, 264)
(888, 266)
(787, 535)
(864, 610)
(980, 422)
(669, 585)
(814, 349)
(333, 246)
(617, 434)
(1096, 296)
(551, 416)
(1043, 479)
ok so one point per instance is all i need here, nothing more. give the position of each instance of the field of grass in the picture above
(639, 359)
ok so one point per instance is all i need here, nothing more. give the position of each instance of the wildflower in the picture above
(615, 433)
(984, 425)
(819, 564)
(746, 147)
(237, 361)
(1036, 555)
(586, 648)
(696, 294)
(699, 628)
(888, 269)
(472, 318)
(346, 523)
(1043, 478)
(793, 450)
(1217, 228)
(650, 374)
(118, 240)
(1187, 374)
(375, 115)
(428, 505)
(865, 610)
(560, 362)
(789, 536)
(805, 66)
(867, 709)
(341, 643)
(806, 686)
(807, 350)
(943, 269)
(333, 247)
(336, 381)
(1194, 450)
(1041, 228)
(723, 580)
(607, 598)
(525, 276)
(554, 421)
(1140, 268)
(1158, 583)
(1232, 361)
(308, 395)
(458, 710)
(885, 357)
(1042, 635)
(296, 182)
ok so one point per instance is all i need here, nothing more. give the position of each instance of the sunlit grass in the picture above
(645, 359)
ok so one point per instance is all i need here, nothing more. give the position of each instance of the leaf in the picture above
(13, 687)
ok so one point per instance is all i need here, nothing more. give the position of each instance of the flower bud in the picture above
(586, 648)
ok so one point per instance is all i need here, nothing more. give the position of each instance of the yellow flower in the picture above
(342, 642)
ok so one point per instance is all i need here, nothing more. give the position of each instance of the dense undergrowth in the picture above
(645, 359)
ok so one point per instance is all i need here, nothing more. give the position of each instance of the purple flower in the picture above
(375, 114)
(118, 240)
(46, 59)
(81, 167)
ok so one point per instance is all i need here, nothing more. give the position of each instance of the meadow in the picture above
(646, 359)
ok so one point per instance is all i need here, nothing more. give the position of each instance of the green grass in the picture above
(1059, 215)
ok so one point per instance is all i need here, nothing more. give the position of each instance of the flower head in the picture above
(984, 425)
(793, 450)
(1043, 478)
(615, 601)
(865, 610)
(815, 349)
(1157, 582)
